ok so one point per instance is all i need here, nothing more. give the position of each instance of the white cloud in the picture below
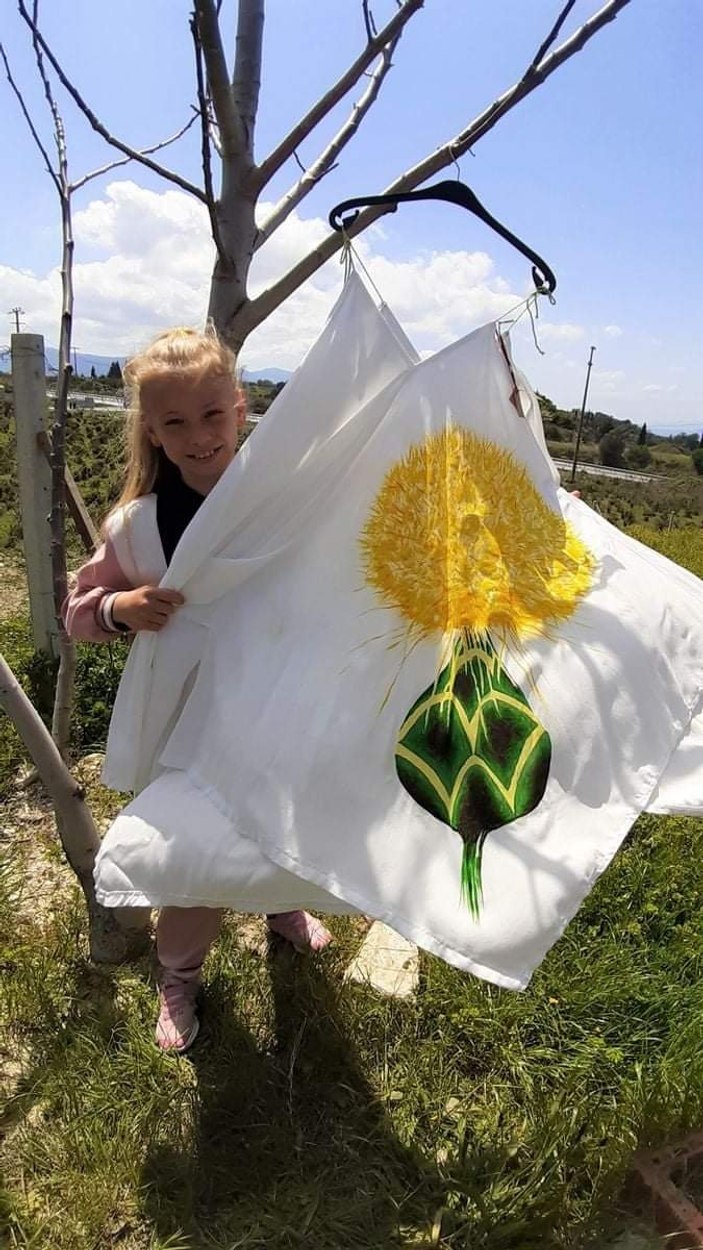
(656, 388)
(565, 332)
(143, 261)
(613, 332)
(608, 380)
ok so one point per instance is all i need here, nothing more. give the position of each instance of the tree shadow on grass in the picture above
(292, 1145)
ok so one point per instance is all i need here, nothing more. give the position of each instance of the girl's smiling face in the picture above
(196, 420)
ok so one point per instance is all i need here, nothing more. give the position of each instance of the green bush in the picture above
(18, 650)
(612, 450)
(639, 456)
(697, 458)
(98, 673)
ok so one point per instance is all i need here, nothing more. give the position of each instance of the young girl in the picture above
(186, 413)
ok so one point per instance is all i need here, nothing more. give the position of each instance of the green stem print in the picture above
(459, 543)
(472, 752)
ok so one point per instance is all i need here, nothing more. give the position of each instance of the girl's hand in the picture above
(147, 607)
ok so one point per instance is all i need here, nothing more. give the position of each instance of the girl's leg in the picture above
(303, 931)
(184, 936)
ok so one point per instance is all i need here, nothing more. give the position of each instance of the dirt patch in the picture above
(15, 596)
(28, 837)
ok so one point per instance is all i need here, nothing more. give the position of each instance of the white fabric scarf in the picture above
(271, 724)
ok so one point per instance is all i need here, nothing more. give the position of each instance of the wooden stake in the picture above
(29, 395)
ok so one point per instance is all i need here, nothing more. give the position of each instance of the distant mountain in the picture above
(266, 375)
(83, 363)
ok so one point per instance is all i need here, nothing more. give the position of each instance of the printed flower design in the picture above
(462, 545)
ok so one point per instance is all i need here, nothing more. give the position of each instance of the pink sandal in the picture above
(178, 1025)
(302, 930)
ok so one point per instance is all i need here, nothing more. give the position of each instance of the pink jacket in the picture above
(130, 556)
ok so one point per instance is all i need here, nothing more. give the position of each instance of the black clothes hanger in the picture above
(454, 193)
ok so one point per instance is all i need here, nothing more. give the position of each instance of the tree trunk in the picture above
(237, 234)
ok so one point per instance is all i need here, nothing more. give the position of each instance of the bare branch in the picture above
(125, 160)
(258, 309)
(546, 45)
(214, 132)
(326, 161)
(336, 93)
(97, 125)
(58, 121)
(369, 23)
(246, 81)
(205, 138)
(30, 123)
(532, 78)
(210, 40)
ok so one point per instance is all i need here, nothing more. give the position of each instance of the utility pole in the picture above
(583, 413)
(16, 312)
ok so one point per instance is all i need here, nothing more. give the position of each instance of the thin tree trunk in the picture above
(63, 699)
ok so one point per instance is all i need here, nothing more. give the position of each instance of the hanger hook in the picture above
(453, 193)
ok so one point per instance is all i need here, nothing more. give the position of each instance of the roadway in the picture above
(601, 470)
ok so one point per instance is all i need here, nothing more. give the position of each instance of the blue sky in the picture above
(600, 170)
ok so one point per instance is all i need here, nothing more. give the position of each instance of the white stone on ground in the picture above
(386, 961)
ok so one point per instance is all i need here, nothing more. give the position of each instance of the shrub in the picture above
(639, 456)
(612, 450)
(98, 672)
(697, 458)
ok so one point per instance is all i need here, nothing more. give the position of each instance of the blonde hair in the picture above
(180, 351)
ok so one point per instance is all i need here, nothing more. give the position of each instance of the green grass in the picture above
(684, 546)
(315, 1113)
(98, 671)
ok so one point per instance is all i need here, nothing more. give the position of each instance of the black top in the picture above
(176, 505)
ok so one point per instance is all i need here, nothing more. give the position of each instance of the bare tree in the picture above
(79, 836)
(58, 172)
(228, 100)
